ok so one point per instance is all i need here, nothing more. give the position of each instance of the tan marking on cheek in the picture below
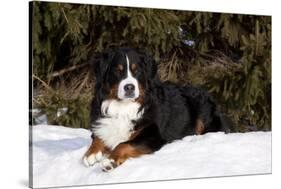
(140, 99)
(199, 127)
(113, 93)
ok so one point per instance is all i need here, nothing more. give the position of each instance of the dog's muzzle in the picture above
(129, 91)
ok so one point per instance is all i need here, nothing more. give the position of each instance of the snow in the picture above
(58, 151)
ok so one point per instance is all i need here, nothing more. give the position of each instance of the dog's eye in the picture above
(134, 68)
(120, 68)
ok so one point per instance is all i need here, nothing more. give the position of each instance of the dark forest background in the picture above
(227, 54)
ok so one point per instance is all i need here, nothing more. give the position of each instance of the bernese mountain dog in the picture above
(134, 113)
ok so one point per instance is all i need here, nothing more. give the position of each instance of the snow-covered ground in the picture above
(57, 153)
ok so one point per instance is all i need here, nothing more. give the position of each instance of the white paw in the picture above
(92, 159)
(108, 164)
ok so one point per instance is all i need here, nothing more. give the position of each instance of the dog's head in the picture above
(124, 74)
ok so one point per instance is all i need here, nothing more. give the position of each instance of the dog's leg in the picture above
(123, 152)
(95, 152)
(145, 142)
(199, 127)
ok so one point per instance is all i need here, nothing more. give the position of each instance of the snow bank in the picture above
(57, 153)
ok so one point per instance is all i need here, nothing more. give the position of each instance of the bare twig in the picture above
(43, 83)
(82, 84)
(64, 15)
(71, 68)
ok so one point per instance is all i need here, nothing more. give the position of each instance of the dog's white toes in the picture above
(92, 159)
(108, 164)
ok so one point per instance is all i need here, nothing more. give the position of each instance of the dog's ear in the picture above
(100, 65)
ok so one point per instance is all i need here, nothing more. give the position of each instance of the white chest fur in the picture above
(116, 126)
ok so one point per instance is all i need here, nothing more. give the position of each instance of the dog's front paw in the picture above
(111, 163)
(91, 159)
(108, 164)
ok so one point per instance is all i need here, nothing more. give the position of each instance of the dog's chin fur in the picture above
(116, 125)
(121, 108)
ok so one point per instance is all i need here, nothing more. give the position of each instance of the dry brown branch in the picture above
(43, 83)
(77, 92)
(71, 68)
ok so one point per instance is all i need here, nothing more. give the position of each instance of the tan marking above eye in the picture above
(133, 67)
(120, 67)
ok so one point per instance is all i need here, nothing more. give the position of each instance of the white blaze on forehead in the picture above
(128, 80)
(128, 67)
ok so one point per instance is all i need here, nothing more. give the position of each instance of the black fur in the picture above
(170, 111)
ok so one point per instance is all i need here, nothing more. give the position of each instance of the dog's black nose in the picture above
(129, 88)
